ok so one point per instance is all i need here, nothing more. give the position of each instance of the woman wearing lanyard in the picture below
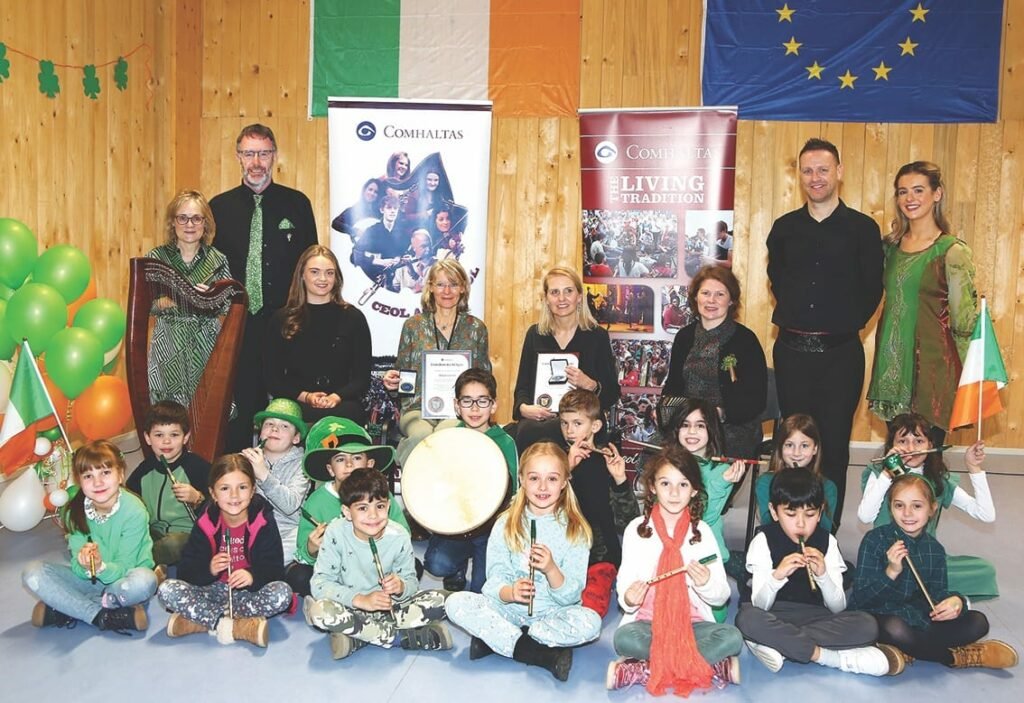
(444, 325)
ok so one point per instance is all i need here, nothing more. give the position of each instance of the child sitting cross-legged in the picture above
(798, 606)
(364, 581)
(335, 448)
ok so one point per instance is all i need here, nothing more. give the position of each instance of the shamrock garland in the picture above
(49, 81)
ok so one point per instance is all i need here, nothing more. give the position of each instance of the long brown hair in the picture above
(900, 223)
(796, 423)
(934, 467)
(682, 460)
(577, 529)
(98, 454)
(295, 309)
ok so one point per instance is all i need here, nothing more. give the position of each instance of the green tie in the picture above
(254, 261)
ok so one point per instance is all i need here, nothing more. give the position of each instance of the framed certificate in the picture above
(552, 382)
(440, 369)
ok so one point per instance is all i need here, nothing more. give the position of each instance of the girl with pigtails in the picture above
(668, 637)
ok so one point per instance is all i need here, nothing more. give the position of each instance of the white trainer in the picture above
(864, 660)
(771, 658)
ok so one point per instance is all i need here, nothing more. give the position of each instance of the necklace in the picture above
(447, 331)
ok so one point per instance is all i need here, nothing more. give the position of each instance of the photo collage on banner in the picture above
(658, 189)
(408, 187)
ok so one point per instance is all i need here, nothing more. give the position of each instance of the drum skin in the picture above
(455, 481)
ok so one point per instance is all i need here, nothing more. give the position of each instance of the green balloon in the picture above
(6, 292)
(18, 252)
(36, 312)
(104, 318)
(7, 342)
(74, 359)
(65, 268)
(52, 434)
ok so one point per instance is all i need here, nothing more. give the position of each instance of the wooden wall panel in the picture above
(97, 174)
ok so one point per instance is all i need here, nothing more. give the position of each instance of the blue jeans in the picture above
(59, 587)
(448, 557)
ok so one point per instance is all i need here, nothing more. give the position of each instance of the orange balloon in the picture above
(85, 297)
(104, 408)
(60, 402)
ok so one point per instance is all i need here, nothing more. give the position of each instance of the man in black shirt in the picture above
(280, 221)
(825, 269)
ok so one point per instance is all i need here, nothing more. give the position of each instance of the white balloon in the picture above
(43, 446)
(58, 497)
(111, 354)
(6, 374)
(21, 503)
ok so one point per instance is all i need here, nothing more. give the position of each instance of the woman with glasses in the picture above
(317, 350)
(181, 343)
(446, 325)
(717, 359)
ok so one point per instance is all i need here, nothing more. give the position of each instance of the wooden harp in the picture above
(155, 290)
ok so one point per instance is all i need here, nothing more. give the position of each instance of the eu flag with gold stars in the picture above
(854, 60)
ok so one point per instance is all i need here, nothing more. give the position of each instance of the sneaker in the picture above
(454, 584)
(430, 637)
(123, 620)
(623, 673)
(872, 661)
(254, 630)
(179, 626)
(771, 658)
(726, 672)
(897, 660)
(45, 616)
(990, 654)
(478, 649)
(307, 610)
(343, 645)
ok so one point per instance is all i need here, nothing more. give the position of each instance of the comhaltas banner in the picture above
(658, 189)
(408, 187)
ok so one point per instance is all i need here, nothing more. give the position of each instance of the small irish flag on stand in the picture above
(983, 375)
(28, 411)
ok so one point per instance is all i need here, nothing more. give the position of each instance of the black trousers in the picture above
(934, 642)
(827, 386)
(250, 388)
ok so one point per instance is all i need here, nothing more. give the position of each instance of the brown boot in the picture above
(179, 626)
(251, 630)
(161, 574)
(990, 654)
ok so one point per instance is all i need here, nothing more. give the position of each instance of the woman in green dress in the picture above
(182, 341)
(930, 306)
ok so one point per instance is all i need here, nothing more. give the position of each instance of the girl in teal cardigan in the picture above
(111, 569)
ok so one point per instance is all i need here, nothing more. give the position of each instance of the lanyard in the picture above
(448, 342)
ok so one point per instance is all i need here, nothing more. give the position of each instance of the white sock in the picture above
(829, 658)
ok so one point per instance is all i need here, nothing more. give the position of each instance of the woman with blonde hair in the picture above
(444, 325)
(566, 326)
(182, 343)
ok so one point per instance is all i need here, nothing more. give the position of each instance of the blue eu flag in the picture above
(854, 60)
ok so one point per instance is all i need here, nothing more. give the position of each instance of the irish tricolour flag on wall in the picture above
(524, 55)
(983, 375)
(28, 411)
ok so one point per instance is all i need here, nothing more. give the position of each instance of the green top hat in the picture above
(283, 409)
(334, 435)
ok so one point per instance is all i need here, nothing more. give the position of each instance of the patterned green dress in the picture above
(181, 343)
(929, 314)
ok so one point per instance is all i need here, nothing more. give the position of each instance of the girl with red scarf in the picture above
(668, 637)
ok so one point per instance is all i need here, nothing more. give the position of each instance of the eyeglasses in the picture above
(446, 286)
(483, 402)
(264, 154)
(185, 219)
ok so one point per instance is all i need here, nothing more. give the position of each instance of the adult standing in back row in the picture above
(262, 228)
(825, 269)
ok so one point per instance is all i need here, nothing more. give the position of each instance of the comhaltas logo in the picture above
(366, 131)
(606, 152)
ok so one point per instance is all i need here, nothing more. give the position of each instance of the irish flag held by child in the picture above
(983, 375)
(28, 412)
